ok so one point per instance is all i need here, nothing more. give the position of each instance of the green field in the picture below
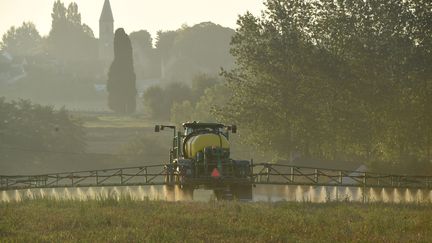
(129, 221)
(116, 121)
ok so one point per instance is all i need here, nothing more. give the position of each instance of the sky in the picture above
(132, 15)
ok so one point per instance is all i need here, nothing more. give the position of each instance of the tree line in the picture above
(68, 40)
(35, 136)
(178, 101)
(67, 58)
(338, 80)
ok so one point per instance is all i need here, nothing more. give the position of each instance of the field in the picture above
(131, 221)
(110, 133)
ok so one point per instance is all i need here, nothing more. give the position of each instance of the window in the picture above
(188, 131)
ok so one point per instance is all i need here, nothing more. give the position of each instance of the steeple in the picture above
(106, 32)
(106, 15)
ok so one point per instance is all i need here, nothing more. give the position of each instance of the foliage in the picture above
(158, 100)
(202, 48)
(215, 95)
(165, 43)
(146, 60)
(69, 39)
(129, 221)
(183, 112)
(22, 41)
(121, 77)
(204, 40)
(141, 39)
(161, 101)
(60, 68)
(335, 80)
(147, 148)
(29, 132)
(200, 83)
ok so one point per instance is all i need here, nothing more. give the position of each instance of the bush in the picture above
(33, 135)
(149, 148)
(212, 98)
(160, 101)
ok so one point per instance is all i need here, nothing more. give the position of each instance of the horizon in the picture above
(134, 16)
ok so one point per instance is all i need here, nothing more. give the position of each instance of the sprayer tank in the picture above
(197, 143)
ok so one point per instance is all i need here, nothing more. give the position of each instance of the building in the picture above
(106, 33)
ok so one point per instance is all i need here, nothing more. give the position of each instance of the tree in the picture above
(153, 100)
(69, 39)
(212, 96)
(202, 48)
(147, 64)
(335, 80)
(200, 83)
(33, 135)
(121, 77)
(165, 43)
(141, 39)
(159, 100)
(22, 41)
(206, 45)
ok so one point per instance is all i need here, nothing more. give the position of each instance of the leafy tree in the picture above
(176, 98)
(183, 112)
(31, 135)
(69, 39)
(152, 99)
(335, 80)
(202, 48)
(145, 148)
(121, 77)
(205, 44)
(22, 41)
(141, 39)
(165, 43)
(147, 63)
(200, 83)
(158, 101)
(202, 110)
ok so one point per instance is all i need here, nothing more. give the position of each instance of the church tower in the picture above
(106, 33)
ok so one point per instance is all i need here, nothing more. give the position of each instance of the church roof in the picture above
(106, 14)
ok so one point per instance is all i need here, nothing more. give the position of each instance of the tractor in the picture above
(200, 158)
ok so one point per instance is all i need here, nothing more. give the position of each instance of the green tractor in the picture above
(200, 158)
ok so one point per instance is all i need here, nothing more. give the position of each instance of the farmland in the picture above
(132, 221)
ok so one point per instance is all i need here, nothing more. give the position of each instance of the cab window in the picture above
(188, 131)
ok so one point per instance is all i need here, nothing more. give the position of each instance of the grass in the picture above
(152, 221)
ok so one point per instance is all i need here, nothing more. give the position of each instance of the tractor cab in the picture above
(192, 130)
(201, 127)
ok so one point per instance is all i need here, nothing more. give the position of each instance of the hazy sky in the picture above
(152, 15)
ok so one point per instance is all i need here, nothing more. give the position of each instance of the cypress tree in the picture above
(121, 76)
